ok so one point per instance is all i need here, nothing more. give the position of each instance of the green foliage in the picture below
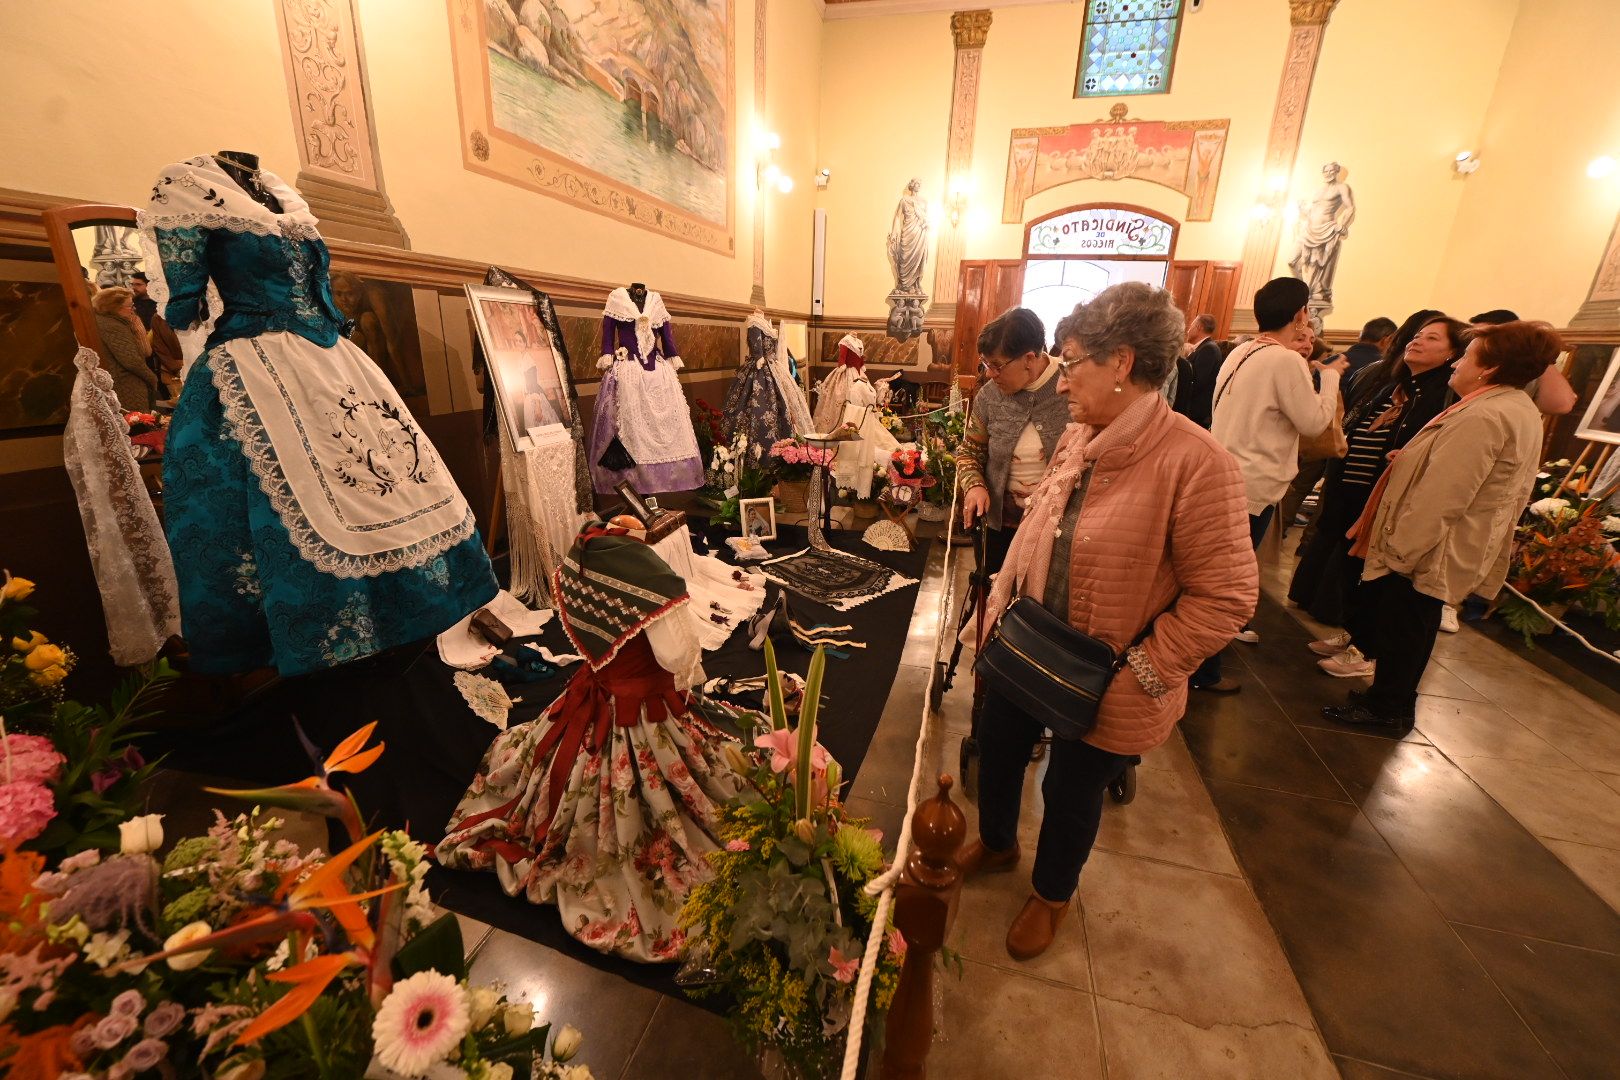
(436, 947)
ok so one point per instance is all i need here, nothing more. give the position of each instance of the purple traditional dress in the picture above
(606, 805)
(643, 430)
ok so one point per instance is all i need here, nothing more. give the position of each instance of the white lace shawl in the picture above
(128, 551)
(621, 308)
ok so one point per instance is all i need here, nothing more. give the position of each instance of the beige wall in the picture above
(1400, 89)
(93, 111)
(1532, 225)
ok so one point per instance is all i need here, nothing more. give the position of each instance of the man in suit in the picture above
(1196, 396)
(1369, 348)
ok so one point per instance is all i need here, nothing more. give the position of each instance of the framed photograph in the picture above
(525, 366)
(1602, 420)
(632, 499)
(758, 518)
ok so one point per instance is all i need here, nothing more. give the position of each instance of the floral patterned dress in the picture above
(606, 804)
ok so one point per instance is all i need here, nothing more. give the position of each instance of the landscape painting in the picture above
(623, 107)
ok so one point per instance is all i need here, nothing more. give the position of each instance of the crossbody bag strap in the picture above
(1221, 390)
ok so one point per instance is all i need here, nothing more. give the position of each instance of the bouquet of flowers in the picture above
(708, 423)
(69, 773)
(794, 459)
(907, 475)
(1564, 553)
(736, 472)
(783, 924)
(942, 434)
(239, 957)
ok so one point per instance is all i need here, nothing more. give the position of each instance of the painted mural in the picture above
(1183, 155)
(623, 107)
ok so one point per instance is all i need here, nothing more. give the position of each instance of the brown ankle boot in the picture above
(974, 859)
(1031, 933)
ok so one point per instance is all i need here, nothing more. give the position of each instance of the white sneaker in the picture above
(1448, 620)
(1331, 646)
(1349, 664)
(1248, 636)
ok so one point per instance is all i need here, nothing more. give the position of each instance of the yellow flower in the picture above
(35, 640)
(16, 588)
(50, 676)
(44, 656)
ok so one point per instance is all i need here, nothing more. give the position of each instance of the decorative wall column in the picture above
(339, 172)
(1309, 19)
(969, 29)
(757, 297)
(1599, 316)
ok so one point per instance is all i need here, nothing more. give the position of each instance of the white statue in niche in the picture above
(908, 251)
(1324, 222)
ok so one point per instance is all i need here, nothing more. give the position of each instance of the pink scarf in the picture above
(1029, 559)
(1360, 534)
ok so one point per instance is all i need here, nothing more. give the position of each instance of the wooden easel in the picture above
(1581, 484)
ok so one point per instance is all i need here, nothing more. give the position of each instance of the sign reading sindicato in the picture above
(1101, 231)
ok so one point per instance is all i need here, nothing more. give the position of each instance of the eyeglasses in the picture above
(1065, 365)
(988, 370)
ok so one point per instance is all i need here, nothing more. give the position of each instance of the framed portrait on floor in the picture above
(758, 518)
(526, 372)
(637, 505)
(1602, 420)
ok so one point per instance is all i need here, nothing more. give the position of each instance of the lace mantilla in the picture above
(248, 430)
(128, 551)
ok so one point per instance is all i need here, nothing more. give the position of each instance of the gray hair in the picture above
(1132, 314)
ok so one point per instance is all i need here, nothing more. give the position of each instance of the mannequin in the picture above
(638, 295)
(243, 168)
(764, 401)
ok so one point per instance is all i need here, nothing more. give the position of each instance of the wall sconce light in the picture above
(957, 197)
(823, 178)
(1602, 167)
(1466, 163)
(767, 173)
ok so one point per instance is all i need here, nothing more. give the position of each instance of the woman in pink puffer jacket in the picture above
(1141, 519)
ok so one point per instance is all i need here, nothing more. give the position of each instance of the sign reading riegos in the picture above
(1101, 231)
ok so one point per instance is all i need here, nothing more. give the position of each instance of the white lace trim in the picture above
(250, 433)
(128, 552)
(654, 420)
(853, 344)
(619, 306)
(760, 322)
(211, 219)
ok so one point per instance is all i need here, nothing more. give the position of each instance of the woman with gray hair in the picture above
(1137, 537)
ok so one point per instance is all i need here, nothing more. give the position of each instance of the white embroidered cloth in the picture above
(356, 482)
(128, 551)
(654, 422)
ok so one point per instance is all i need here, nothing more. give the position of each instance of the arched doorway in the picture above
(1071, 255)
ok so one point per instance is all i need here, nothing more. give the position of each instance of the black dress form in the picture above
(638, 295)
(243, 168)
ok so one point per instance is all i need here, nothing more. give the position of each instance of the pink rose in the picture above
(26, 807)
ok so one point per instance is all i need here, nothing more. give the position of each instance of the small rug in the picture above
(837, 579)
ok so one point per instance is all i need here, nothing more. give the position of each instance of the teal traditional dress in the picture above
(606, 804)
(311, 520)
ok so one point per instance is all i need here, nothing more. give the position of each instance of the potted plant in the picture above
(1563, 555)
(794, 463)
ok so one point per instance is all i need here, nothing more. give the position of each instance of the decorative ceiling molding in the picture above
(871, 9)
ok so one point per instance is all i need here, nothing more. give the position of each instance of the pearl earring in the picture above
(1118, 389)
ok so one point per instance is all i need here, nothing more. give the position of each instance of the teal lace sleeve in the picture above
(185, 272)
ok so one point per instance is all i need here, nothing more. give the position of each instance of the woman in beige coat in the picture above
(1440, 524)
(1140, 522)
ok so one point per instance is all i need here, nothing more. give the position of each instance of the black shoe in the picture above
(1358, 714)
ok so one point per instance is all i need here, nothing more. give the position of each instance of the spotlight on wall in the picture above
(767, 173)
(1466, 163)
(1601, 167)
(823, 178)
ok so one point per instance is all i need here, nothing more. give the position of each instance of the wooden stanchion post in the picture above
(924, 906)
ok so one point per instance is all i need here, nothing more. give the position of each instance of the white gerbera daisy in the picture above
(423, 1018)
(1549, 508)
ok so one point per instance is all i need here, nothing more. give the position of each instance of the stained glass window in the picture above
(1127, 47)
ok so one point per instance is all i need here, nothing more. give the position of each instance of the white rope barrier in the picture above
(883, 885)
(1565, 627)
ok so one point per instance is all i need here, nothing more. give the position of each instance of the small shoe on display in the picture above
(1331, 646)
(773, 620)
(1357, 714)
(975, 859)
(1032, 932)
(1248, 635)
(1350, 664)
(1219, 686)
(1448, 620)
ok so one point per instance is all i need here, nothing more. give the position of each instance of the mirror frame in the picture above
(60, 221)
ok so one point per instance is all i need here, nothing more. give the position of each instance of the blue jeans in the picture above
(1209, 672)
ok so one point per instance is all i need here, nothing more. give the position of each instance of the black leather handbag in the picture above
(1049, 669)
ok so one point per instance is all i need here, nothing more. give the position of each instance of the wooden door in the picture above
(1203, 287)
(987, 288)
